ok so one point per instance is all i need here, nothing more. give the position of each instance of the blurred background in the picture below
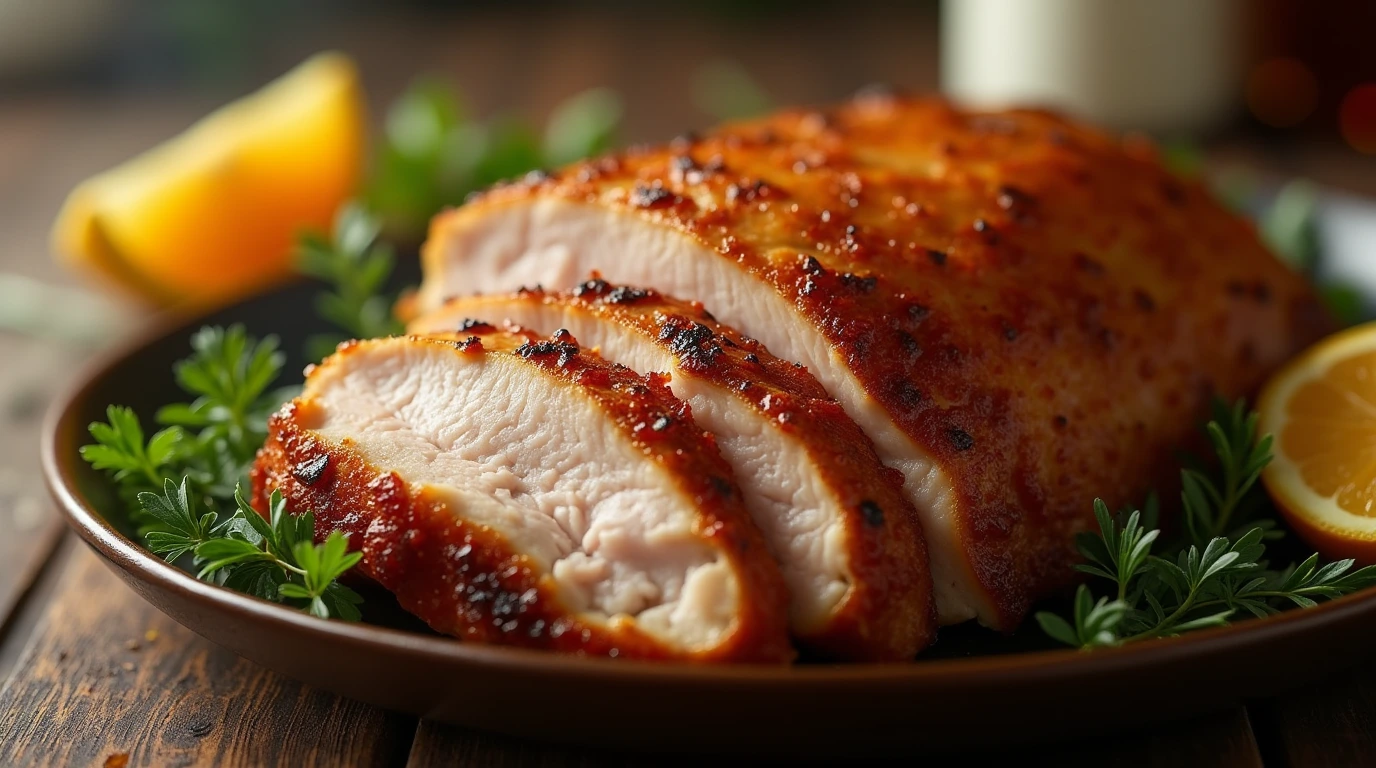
(1251, 93)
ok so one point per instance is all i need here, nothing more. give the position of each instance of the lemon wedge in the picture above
(210, 216)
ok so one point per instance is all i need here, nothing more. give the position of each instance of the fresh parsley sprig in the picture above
(231, 375)
(179, 479)
(273, 559)
(120, 449)
(1206, 579)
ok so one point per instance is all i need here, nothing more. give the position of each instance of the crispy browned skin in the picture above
(1043, 308)
(465, 579)
(888, 614)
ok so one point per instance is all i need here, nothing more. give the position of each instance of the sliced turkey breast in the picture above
(526, 492)
(1021, 312)
(834, 517)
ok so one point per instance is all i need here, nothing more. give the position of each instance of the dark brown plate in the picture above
(974, 689)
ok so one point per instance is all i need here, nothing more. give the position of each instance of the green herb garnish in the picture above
(1216, 571)
(184, 475)
(433, 153)
(356, 267)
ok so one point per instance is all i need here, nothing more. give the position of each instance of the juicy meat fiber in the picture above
(1021, 312)
(522, 491)
(834, 517)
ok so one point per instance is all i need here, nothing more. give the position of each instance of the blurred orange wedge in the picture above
(211, 215)
(1321, 408)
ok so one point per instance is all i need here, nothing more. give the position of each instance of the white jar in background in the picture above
(1164, 66)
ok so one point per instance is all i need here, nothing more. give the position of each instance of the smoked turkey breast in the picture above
(835, 518)
(1022, 313)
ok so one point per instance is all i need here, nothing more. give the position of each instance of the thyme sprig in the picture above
(1212, 575)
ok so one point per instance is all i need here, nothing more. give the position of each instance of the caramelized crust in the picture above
(888, 613)
(465, 579)
(1042, 308)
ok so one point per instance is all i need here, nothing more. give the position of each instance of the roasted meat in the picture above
(522, 491)
(834, 517)
(1022, 313)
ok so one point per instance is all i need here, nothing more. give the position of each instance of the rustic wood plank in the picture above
(1332, 722)
(107, 676)
(1221, 740)
(29, 527)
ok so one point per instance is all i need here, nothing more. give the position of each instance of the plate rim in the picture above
(59, 456)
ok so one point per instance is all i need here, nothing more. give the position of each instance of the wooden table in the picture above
(95, 676)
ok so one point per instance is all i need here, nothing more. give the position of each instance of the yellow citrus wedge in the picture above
(1321, 408)
(211, 215)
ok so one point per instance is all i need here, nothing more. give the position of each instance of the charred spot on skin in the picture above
(528, 290)
(1060, 422)
(626, 295)
(472, 344)
(909, 343)
(565, 350)
(684, 170)
(872, 513)
(917, 312)
(748, 193)
(662, 423)
(469, 324)
(908, 394)
(1009, 332)
(1144, 300)
(652, 196)
(309, 472)
(812, 266)
(1087, 265)
(752, 358)
(984, 228)
(960, 439)
(863, 284)
(722, 486)
(938, 257)
(596, 286)
(564, 335)
(1016, 202)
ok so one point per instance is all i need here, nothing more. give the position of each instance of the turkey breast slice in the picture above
(1023, 313)
(834, 517)
(522, 491)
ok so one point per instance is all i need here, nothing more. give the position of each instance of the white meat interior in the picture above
(538, 461)
(785, 491)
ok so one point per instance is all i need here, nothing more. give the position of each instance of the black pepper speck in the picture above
(960, 439)
(874, 516)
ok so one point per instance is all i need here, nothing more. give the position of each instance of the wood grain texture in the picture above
(108, 675)
(1326, 724)
(1222, 740)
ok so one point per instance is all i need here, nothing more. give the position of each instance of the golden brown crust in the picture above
(1042, 308)
(465, 579)
(888, 614)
